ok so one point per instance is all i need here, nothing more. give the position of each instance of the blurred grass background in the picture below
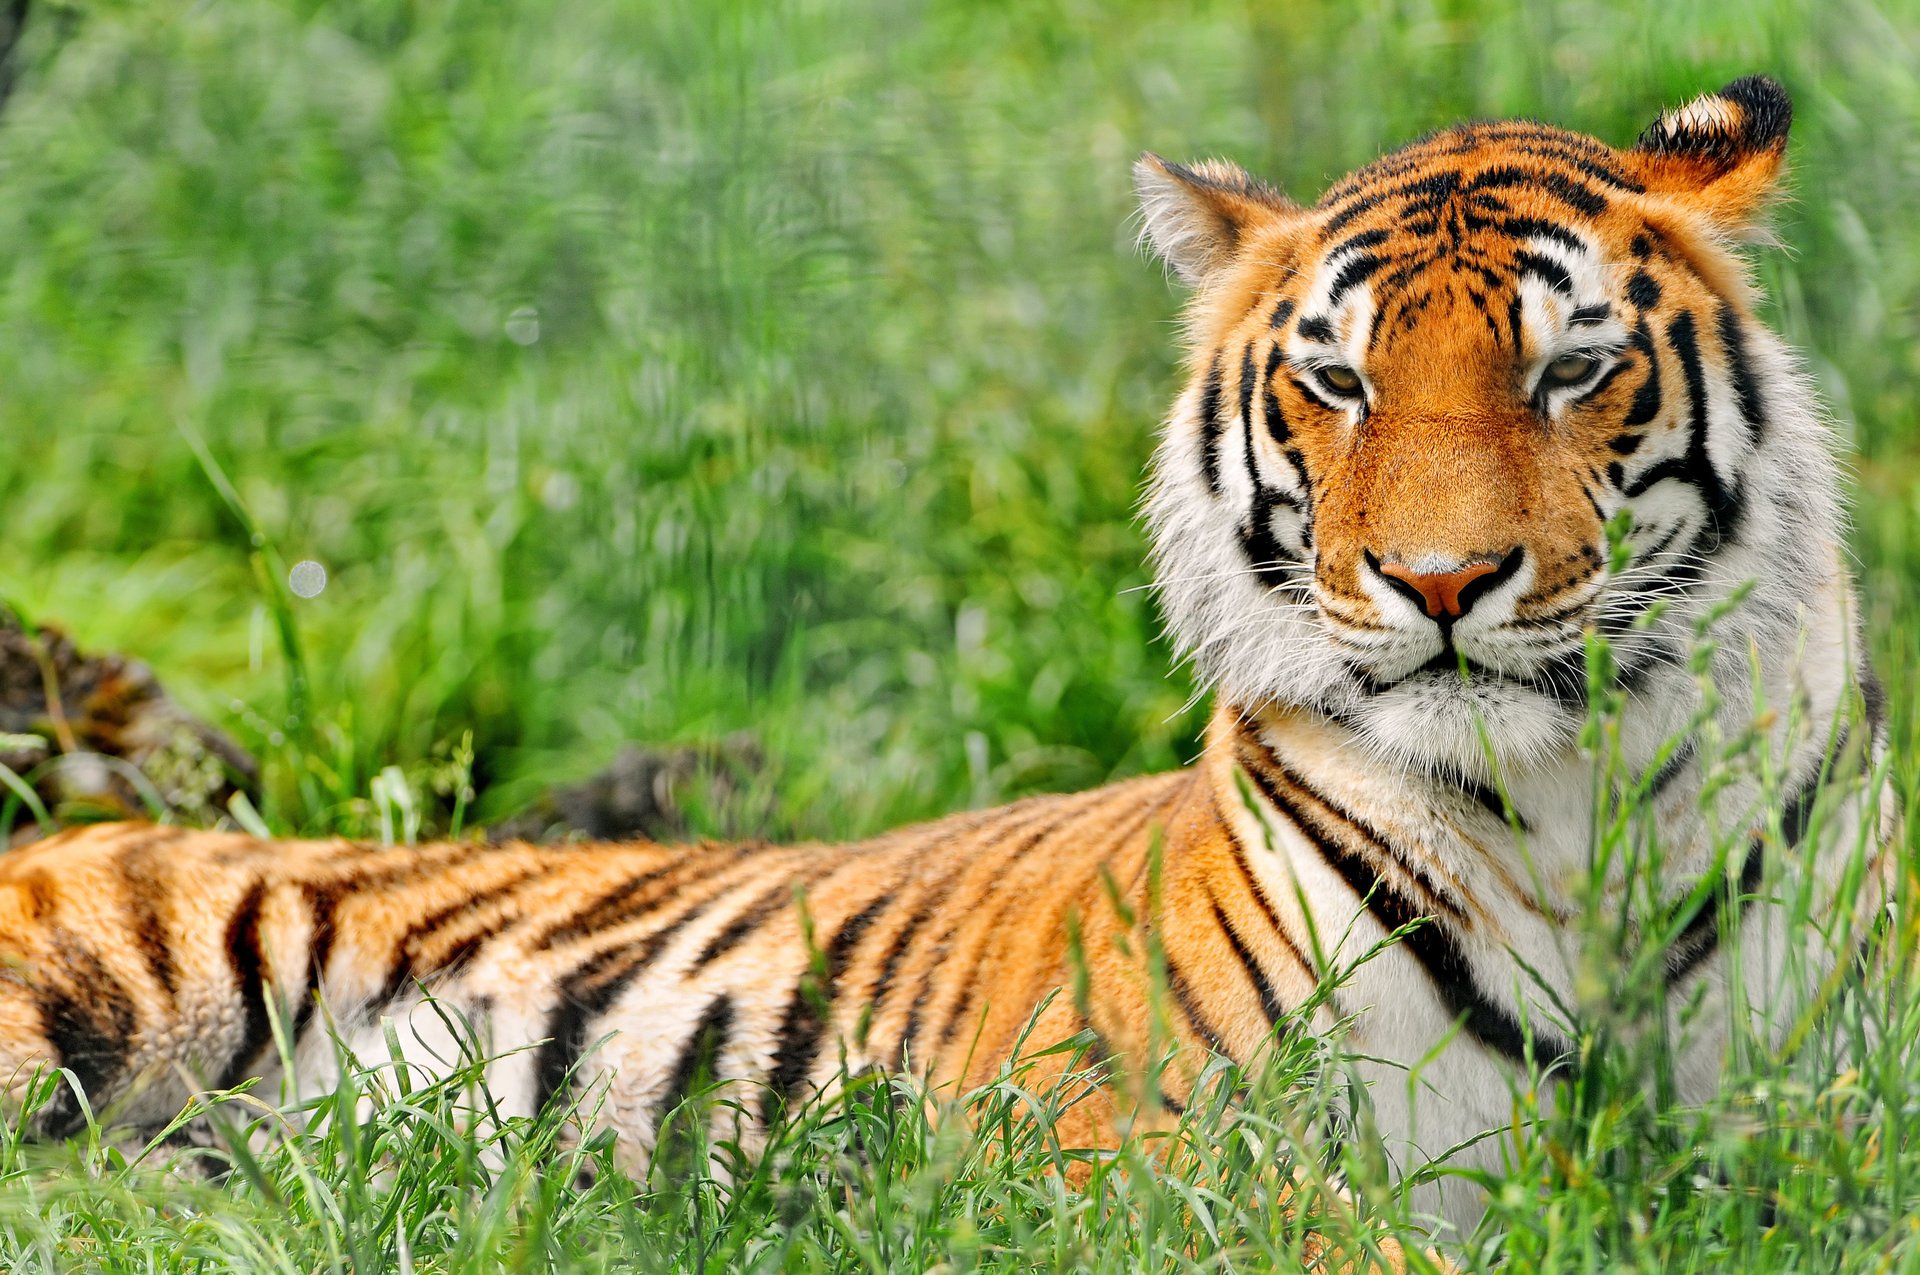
(662, 369)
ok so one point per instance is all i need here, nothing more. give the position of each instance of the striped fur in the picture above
(1369, 390)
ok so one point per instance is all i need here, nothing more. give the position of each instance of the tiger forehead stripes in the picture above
(1380, 518)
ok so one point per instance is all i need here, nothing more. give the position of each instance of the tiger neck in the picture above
(1301, 775)
(1314, 773)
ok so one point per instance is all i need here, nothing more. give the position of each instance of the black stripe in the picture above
(1545, 268)
(1797, 814)
(566, 1041)
(1353, 272)
(1257, 541)
(897, 949)
(1599, 513)
(1617, 624)
(406, 949)
(248, 962)
(934, 896)
(1681, 334)
(1210, 428)
(1100, 1053)
(1646, 399)
(1365, 239)
(1488, 798)
(587, 993)
(1563, 679)
(1369, 834)
(809, 1010)
(1673, 768)
(1238, 853)
(1494, 280)
(1572, 193)
(88, 1020)
(1274, 419)
(1643, 291)
(1270, 1003)
(1535, 228)
(629, 898)
(699, 1057)
(1183, 996)
(1411, 266)
(1429, 940)
(1309, 391)
(769, 904)
(1700, 937)
(1316, 329)
(1733, 340)
(1246, 409)
(323, 901)
(1696, 468)
(1282, 312)
(1873, 696)
(146, 887)
(1377, 324)
(1099, 1048)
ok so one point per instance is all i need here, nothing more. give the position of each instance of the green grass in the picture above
(664, 369)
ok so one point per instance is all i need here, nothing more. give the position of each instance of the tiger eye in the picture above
(1570, 369)
(1341, 378)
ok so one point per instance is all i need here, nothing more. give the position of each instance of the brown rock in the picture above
(97, 737)
(644, 793)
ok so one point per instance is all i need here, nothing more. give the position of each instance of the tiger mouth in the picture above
(1563, 679)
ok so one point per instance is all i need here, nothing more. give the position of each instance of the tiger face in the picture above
(1416, 407)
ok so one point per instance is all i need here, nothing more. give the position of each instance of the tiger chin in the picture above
(1495, 394)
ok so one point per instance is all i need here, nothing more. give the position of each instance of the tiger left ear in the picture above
(1720, 154)
(1198, 216)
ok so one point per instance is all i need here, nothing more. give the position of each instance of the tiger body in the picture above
(635, 968)
(1379, 516)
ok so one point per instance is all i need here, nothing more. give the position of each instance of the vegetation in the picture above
(664, 369)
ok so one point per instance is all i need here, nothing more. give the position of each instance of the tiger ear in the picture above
(1196, 216)
(1720, 154)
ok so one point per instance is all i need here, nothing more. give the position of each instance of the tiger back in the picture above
(1499, 391)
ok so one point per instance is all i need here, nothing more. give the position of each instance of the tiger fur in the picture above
(1379, 525)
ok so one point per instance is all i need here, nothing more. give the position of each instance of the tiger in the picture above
(1495, 393)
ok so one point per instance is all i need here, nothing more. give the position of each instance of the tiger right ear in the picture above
(1721, 153)
(1196, 216)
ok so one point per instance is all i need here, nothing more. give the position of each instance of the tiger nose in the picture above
(1447, 593)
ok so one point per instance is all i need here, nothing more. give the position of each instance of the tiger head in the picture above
(1416, 407)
